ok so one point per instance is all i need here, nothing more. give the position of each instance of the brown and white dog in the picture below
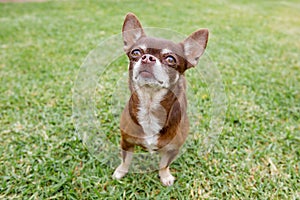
(155, 116)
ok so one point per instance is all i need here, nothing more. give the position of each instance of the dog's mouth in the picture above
(147, 77)
(146, 74)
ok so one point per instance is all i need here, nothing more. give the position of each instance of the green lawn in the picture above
(255, 46)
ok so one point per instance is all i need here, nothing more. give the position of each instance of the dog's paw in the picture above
(119, 173)
(167, 180)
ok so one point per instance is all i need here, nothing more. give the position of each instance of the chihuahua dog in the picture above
(155, 116)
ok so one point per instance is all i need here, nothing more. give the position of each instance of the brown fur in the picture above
(171, 114)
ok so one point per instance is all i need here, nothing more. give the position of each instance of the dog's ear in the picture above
(132, 31)
(194, 46)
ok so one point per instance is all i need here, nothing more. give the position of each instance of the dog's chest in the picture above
(151, 116)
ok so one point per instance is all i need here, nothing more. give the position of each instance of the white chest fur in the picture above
(151, 114)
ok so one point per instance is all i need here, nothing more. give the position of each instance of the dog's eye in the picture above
(136, 53)
(170, 60)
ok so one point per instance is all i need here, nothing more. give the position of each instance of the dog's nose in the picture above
(147, 58)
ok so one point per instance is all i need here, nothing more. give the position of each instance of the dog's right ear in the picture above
(132, 31)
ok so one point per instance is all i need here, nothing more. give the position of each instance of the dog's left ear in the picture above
(194, 46)
(132, 31)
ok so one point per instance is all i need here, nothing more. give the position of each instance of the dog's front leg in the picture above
(127, 154)
(164, 173)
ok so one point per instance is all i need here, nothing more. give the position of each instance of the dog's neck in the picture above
(150, 107)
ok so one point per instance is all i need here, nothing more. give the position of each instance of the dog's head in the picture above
(156, 62)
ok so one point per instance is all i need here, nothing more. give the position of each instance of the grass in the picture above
(254, 44)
